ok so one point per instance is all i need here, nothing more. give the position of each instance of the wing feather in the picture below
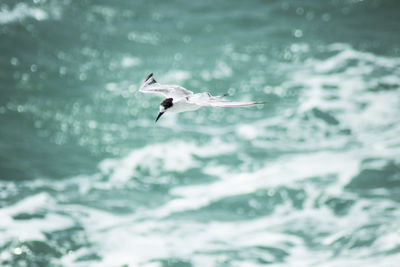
(151, 86)
(231, 104)
(206, 100)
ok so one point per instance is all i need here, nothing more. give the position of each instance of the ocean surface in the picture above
(312, 178)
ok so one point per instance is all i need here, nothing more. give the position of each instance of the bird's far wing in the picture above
(229, 104)
(151, 86)
(206, 100)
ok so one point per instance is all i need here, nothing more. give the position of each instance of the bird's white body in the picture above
(179, 99)
(182, 105)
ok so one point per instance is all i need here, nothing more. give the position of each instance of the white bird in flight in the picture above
(179, 99)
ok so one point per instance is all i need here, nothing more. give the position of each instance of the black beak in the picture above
(159, 115)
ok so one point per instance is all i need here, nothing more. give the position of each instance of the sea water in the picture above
(312, 178)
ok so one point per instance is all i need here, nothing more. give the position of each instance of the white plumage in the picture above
(179, 99)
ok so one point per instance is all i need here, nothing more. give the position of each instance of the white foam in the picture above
(34, 228)
(174, 156)
(139, 243)
(248, 132)
(352, 100)
(287, 170)
(21, 11)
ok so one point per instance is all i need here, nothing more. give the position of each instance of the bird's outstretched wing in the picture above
(151, 86)
(207, 100)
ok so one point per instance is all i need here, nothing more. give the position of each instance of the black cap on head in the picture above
(167, 103)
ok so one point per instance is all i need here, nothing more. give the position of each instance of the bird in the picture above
(179, 99)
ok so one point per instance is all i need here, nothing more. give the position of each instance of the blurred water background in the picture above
(310, 179)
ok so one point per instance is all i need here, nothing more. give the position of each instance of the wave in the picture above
(316, 183)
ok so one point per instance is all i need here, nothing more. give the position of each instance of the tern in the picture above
(179, 99)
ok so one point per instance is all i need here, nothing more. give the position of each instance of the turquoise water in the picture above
(310, 179)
